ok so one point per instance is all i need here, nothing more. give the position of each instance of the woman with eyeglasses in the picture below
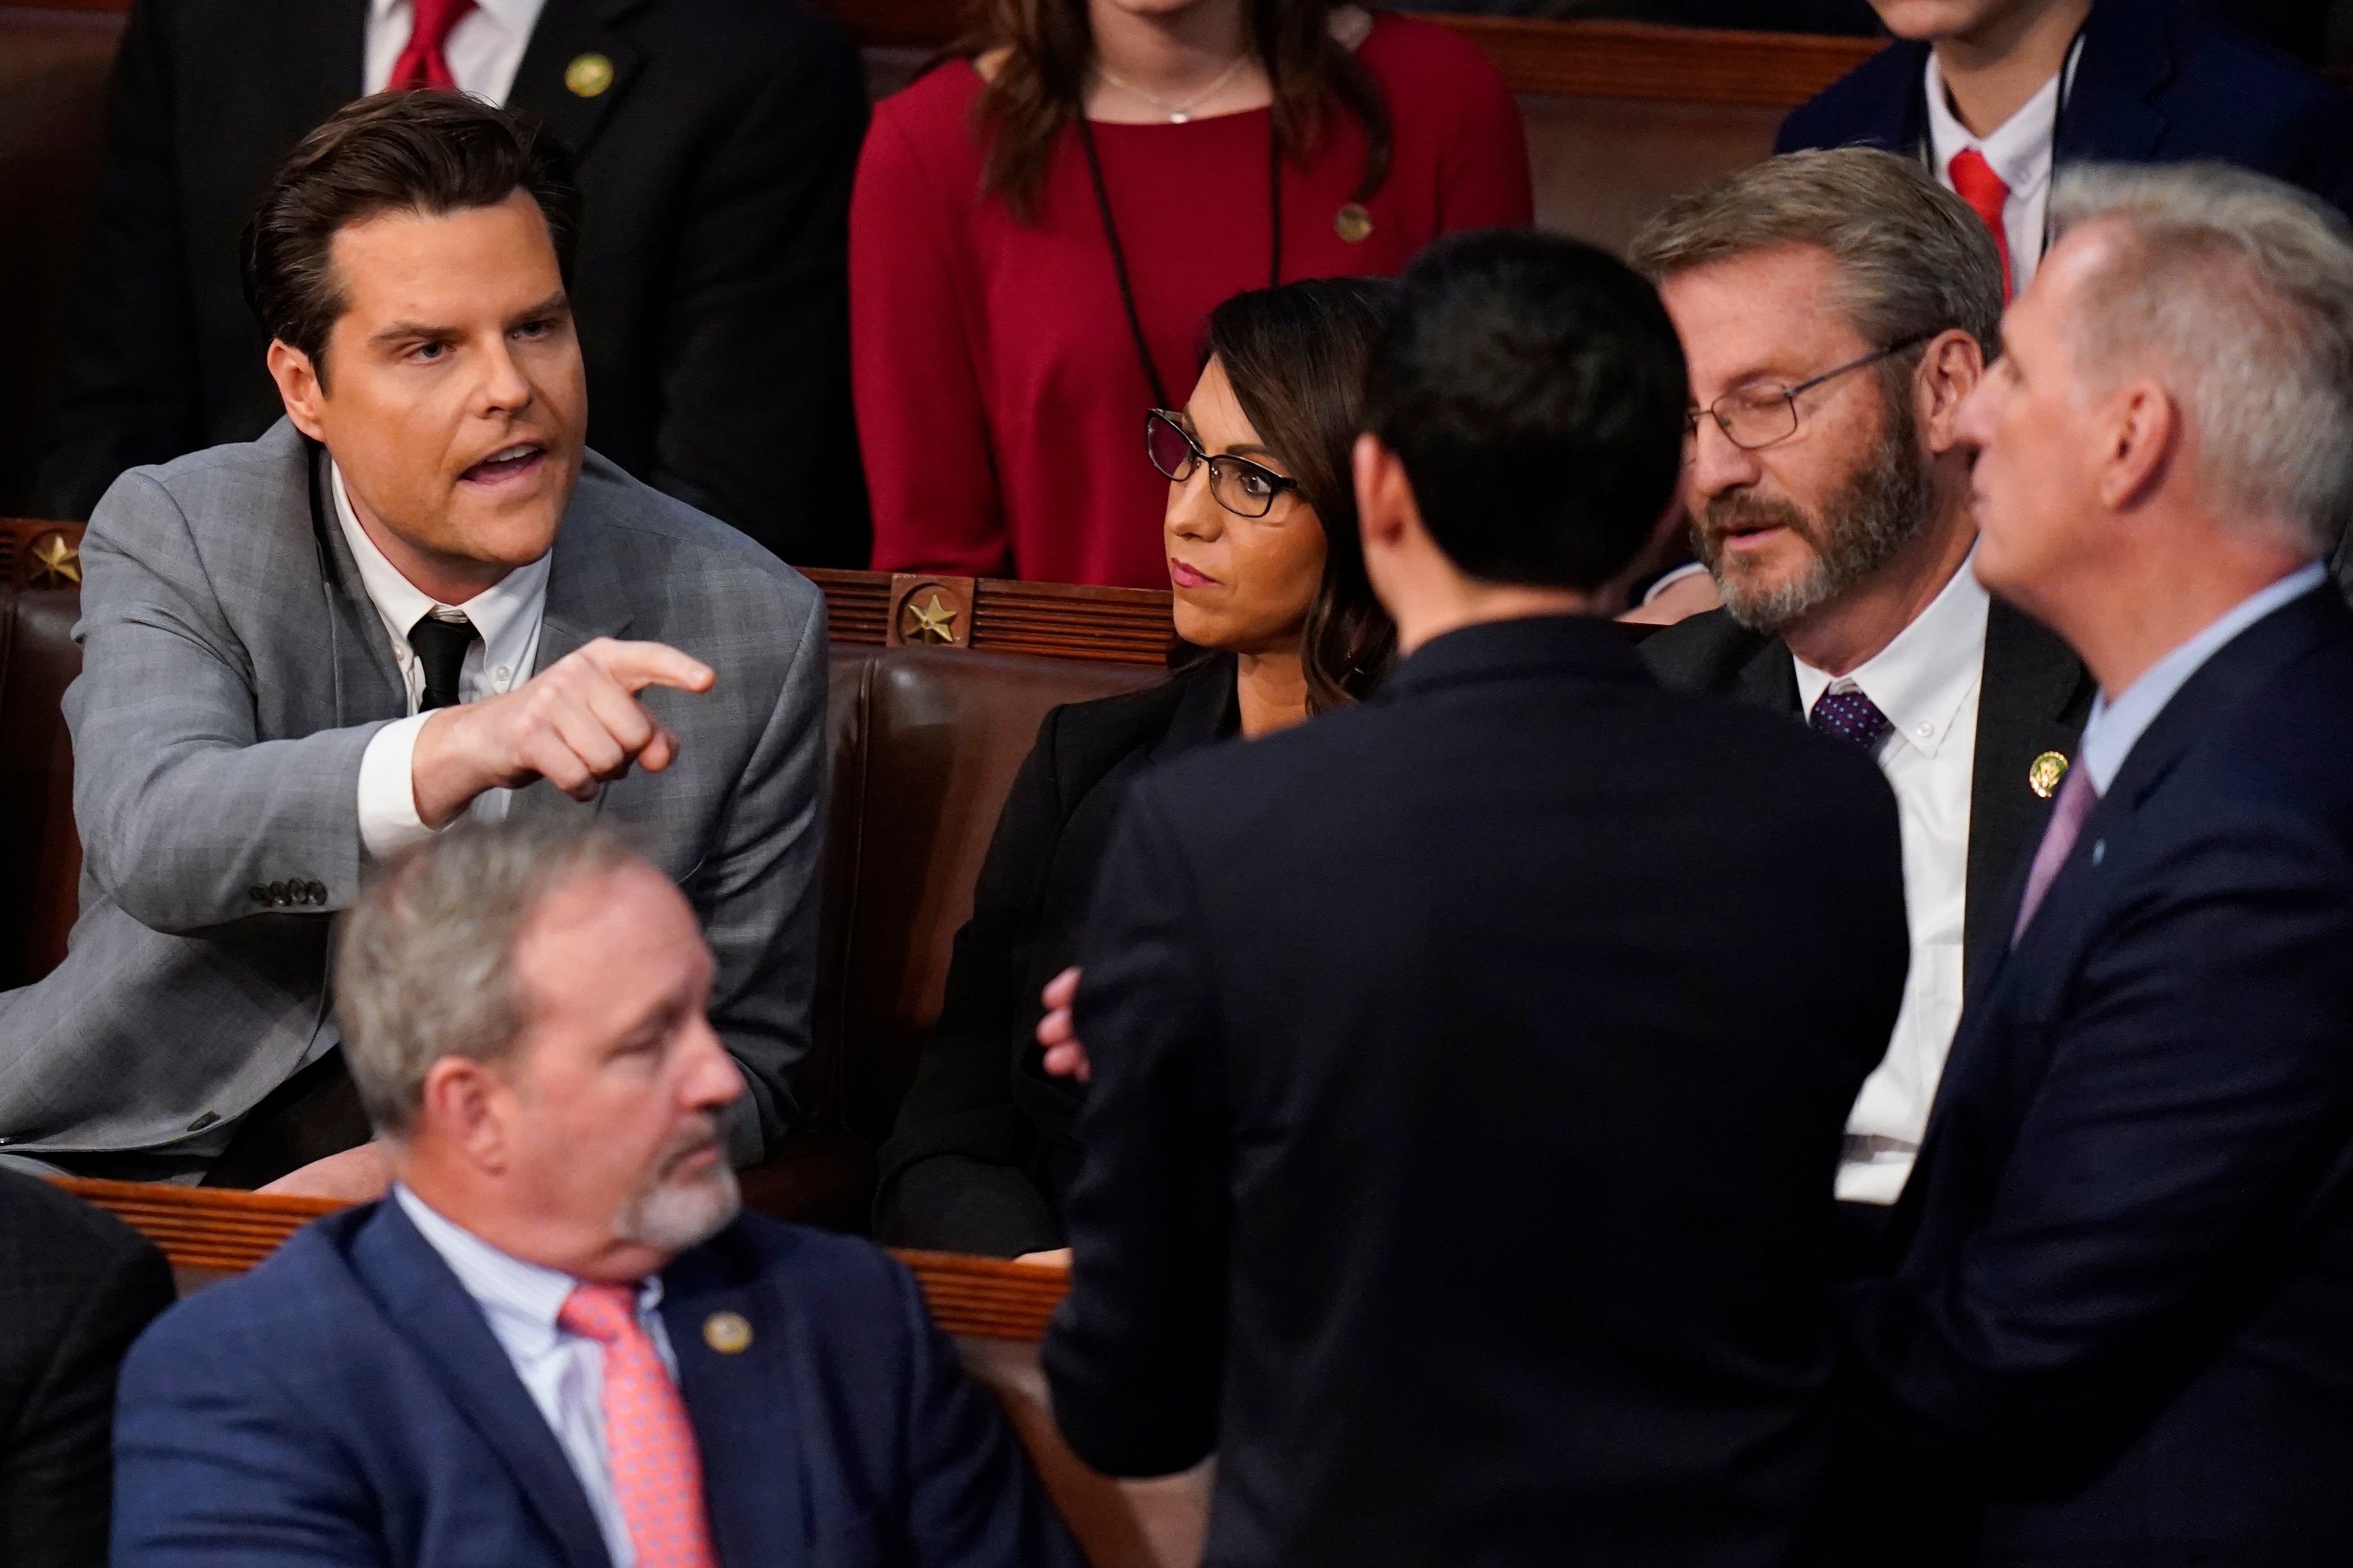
(1259, 538)
(1043, 224)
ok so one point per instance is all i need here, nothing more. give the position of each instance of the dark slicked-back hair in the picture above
(1534, 391)
(430, 153)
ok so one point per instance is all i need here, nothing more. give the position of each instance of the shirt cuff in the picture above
(388, 819)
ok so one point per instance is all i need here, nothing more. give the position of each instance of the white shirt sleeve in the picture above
(388, 819)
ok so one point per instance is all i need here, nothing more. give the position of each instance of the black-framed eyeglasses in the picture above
(1755, 417)
(1241, 486)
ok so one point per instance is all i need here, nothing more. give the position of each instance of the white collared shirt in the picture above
(2115, 728)
(1927, 682)
(507, 615)
(2020, 151)
(563, 1371)
(485, 48)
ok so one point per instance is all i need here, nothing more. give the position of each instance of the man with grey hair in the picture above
(1836, 308)
(558, 1341)
(2122, 1328)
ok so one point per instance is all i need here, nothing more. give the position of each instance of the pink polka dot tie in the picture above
(649, 1442)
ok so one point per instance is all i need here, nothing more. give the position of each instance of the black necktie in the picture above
(441, 649)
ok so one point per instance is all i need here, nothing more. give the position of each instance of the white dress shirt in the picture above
(2019, 150)
(564, 1373)
(2114, 728)
(484, 51)
(508, 617)
(1927, 682)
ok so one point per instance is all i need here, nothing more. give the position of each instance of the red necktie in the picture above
(1975, 182)
(2077, 797)
(422, 63)
(649, 1447)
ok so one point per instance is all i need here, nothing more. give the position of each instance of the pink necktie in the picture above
(649, 1442)
(1975, 182)
(422, 63)
(2077, 797)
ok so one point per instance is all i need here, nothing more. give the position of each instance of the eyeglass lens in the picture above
(1241, 488)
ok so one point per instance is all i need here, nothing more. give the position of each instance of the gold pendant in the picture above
(2042, 774)
(1353, 223)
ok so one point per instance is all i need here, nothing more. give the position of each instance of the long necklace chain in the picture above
(1178, 113)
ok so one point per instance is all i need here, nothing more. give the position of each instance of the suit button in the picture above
(318, 891)
(278, 894)
(259, 895)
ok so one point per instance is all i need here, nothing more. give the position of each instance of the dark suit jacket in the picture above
(347, 1402)
(2126, 1308)
(987, 1143)
(2160, 81)
(1469, 1075)
(75, 1287)
(710, 281)
(2034, 699)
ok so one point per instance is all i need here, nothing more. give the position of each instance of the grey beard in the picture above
(1884, 506)
(669, 1215)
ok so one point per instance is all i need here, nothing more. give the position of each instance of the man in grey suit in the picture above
(418, 598)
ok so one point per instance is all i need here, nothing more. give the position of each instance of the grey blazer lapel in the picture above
(588, 598)
(368, 685)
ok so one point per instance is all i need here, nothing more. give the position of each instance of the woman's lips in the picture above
(1184, 576)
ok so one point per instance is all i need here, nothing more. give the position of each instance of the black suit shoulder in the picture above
(1703, 653)
(1870, 106)
(76, 1286)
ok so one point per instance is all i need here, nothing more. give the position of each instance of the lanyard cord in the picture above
(1928, 148)
(1119, 252)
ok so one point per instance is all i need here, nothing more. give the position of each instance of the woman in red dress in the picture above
(1040, 230)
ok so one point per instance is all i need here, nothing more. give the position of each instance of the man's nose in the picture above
(1714, 463)
(503, 388)
(711, 1079)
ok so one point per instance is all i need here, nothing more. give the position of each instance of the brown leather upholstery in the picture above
(53, 72)
(40, 858)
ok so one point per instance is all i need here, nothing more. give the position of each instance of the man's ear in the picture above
(298, 386)
(2141, 436)
(1385, 510)
(463, 1107)
(1950, 371)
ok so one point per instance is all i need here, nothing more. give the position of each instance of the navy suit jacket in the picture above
(2160, 81)
(347, 1403)
(2125, 1310)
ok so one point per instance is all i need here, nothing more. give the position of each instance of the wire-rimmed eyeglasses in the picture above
(1241, 486)
(1756, 417)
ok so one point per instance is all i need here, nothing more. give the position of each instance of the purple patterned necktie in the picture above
(2077, 797)
(1850, 716)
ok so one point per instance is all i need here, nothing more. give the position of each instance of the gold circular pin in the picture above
(2042, 774)
(1353, 223)
(727, 1333)
(588, 75)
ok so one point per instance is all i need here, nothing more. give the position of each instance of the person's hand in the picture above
(359, 1175)
(1054, 1257)
(1066, 1054)
(576, 724)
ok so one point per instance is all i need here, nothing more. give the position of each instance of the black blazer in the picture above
(987, 1143)
(2160, 81)
(76, 1288)
(2125, 1311)
(710, 281)
(2035, 698)
(1468, 1076)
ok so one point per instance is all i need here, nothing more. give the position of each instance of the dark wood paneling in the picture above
(1116, 625)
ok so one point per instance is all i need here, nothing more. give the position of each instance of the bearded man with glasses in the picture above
(1836, 308)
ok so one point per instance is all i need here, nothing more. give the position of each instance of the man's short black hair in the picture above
(430, 153)
(1534, 391)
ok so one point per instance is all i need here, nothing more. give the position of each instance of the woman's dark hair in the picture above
(1534, 390)
(1295, 357)
(430, 153)
(1043, 86)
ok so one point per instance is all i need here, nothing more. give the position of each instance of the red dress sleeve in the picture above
(1487, 182)
(923, 423)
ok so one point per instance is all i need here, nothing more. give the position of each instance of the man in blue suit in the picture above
(2122, 1328)
(1992, 95)
(556, 1342)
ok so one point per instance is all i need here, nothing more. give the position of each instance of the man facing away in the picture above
(1836, 308)
(2123, 1323)
(557, 1342)
(1469, 1067)
(1992, 96)
(417, 598)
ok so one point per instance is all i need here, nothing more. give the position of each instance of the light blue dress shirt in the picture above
(2115, 727)
(563, 1371)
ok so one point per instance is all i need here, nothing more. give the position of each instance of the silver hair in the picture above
(424, 967)
(1915, 261)
(2241, 287)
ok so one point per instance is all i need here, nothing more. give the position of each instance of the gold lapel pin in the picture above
(1353, 223)
(2043, 774)
(727, 1332)
(588, 75)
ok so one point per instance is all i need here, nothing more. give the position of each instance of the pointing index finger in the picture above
(637, 665)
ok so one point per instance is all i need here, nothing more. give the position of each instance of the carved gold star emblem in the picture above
(56, 563)
(932, 621)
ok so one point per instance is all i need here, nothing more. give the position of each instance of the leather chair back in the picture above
(40, 856)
